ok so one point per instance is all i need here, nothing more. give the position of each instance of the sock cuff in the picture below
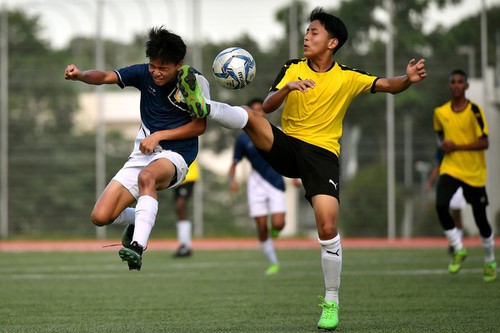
(329, 242)
(488, 240)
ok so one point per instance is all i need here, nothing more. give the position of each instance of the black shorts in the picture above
(317, 167)
(184, 190)
(448, 185)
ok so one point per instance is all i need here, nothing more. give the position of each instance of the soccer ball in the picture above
(234, 68)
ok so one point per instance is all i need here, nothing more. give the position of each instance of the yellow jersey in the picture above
(316, 116)
(463, 127)
(193, 173)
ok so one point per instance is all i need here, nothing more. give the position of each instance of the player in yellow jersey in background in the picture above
(316, 92)
(184, 226)
(463, 136)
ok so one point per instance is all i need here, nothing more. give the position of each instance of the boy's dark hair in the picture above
(335, 27)
(255, 100)
(458, 72)
(165, 46)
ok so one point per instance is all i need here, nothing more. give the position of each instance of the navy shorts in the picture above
(317, 167)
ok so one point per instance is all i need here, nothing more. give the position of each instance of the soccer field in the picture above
(382, 290)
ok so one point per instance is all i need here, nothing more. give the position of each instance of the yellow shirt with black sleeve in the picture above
(193, 173)
(463, 127)
(316, 116)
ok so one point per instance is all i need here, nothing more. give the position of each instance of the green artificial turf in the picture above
(389, 290)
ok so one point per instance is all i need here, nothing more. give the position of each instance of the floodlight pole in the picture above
(4, 123)
(100, 152)
(198, 63)
(391, 167)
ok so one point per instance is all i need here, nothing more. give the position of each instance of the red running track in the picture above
(230, 244)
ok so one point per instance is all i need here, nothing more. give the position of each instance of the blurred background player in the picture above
(462, 132)
(457, 202)
(265, 192)
(182, 194)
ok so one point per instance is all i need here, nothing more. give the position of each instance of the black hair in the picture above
(335, 27)
(165, 46)
(255, 100)
(459, 72)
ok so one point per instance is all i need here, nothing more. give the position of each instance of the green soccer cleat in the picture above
(329, 316)
(193, 96)
(457, 259)
(132, 254)
(127, 235)
(275, 233)
(490, 271)
(273, 269)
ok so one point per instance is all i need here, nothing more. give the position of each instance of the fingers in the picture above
(417, 68)
(303, 85)
(71, 72)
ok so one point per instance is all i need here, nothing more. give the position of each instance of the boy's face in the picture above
(317, 40)
(457, 85)
(163, 73)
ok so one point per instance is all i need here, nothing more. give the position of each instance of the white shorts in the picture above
(129, 173)
(263, 198)
(458, 200)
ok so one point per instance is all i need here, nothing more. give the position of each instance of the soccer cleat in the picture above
(329, 316)
(182, 252)
(457, 259)
(127, 234)
(193, 96)
(132, 254)
(490, 271)
(273, 269)
(275, 233)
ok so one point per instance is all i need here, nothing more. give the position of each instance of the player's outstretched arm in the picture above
(415, 72)
(91, 76)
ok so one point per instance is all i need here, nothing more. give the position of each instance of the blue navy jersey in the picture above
(158, 108)
(244, 147)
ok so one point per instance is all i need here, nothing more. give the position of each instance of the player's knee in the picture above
(328, 231)
(146, 179)
(99, 219)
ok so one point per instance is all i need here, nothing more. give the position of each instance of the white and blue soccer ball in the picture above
(234, 68)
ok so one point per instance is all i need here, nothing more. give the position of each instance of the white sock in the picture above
(184, 232)
(268, 250)
(461, 233)
(145, 215)
(489, 248)
(331, 261)
(126, 217)
(228, 116)
(454, 238)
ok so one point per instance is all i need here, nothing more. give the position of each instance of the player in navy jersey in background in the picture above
(166, 143)
(265, 192)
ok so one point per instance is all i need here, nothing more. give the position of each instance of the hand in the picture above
(448, 146)
(148, 144)
(72, 73)
(301, 85)
(415, 71)
(234, 186)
